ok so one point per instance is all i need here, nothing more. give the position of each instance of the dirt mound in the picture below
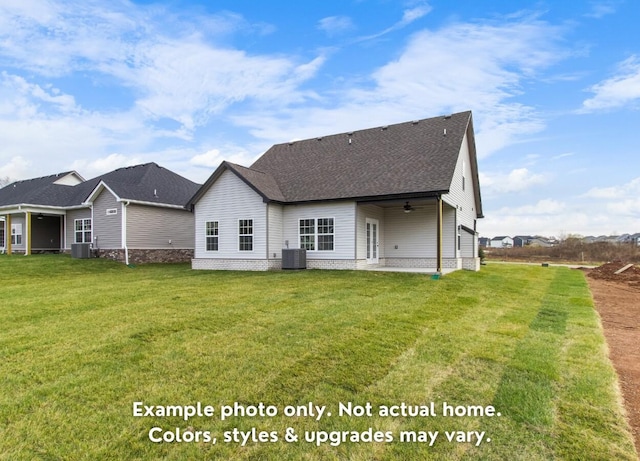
(630, 276)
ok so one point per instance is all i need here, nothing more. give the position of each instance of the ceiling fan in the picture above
(408, 208)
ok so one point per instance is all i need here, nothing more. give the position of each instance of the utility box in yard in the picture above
(294, 258)
(81, 250)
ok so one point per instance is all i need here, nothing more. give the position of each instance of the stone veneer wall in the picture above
(147, 256)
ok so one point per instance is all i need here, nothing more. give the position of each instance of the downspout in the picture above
(124, 232)
(439, 235)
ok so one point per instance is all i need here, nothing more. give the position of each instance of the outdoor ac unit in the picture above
(294, 258)
(81, 250)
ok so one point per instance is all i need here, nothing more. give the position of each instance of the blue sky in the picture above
(554, 88)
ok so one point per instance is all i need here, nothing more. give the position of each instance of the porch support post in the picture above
(439, 234)
(27, 248)
(7, 233)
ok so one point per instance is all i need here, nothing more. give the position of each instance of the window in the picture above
(308, 234)
(245, 235)
(83, 230)
(111, 211)
(317, 234)
(212, 236)
(16, 234)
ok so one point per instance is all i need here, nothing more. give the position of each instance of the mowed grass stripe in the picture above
(87, 338)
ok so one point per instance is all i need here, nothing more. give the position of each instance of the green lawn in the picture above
(82, 340)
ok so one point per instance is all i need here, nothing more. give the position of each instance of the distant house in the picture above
(541, 242)
(522, 240)
(132, 214)
(484, 242)
(404, 195)
(502, 241)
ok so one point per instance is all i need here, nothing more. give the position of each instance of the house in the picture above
(501, 241)
(132, 214)
(522, 240)
(404, 195)
(483, 242)
(538, 241)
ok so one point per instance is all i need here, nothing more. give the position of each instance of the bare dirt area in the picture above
(617, 300)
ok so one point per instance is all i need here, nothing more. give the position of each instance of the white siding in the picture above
(276, 239)
(150, 227)
(228, 200)
(468, 245)
(414, 234)
(463, 200)
(344, 215)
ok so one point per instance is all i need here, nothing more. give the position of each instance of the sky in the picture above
(554, 88)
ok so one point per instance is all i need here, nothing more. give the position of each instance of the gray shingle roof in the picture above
(40, 191)
(149, 183)
(406, 158)
(137, 183)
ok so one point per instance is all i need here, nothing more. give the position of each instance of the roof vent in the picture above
(384, 127)
(319, 138)
(155, 193)
(415, 122)
(447, 117)
(444, 132)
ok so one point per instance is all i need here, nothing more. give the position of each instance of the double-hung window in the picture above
(82, 230)
(317, 234)
(212, 236)
(16, 234)
(245, 235)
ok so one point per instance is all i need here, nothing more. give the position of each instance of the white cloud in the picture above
(408, 16)
(630, 189)
(542, 207)
(602, 8)
(92, 168)
(459, 67)
(16, 168)
(334, 25)
(618, 91)
(516, 180)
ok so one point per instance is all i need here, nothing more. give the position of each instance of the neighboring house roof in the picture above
(502, 237)
(49, 190)
(149, 183)
(412, 159)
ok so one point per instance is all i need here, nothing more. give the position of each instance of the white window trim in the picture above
(206, 235)
(16, 231)
(111, 211)
(316, 234)
(246, 235)
(83, 231)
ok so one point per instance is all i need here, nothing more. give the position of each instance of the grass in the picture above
(81, 340)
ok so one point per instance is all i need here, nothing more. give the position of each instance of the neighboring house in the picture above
(484, 242)
(132, 214)
(404, 195)
(541, 242)
(522, 240)
(501, 241)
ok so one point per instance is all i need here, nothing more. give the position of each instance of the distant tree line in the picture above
(569, 250)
